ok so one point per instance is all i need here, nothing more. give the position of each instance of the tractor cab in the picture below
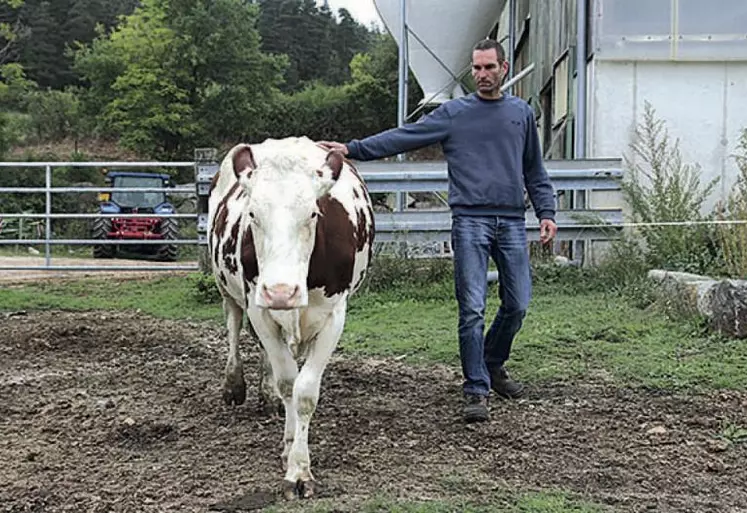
(131, 201)
(136, 202)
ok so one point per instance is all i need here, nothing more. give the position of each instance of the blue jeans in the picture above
(474, 240)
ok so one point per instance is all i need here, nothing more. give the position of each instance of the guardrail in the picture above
(576, 182)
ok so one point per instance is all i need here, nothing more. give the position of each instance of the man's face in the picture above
(488, 71)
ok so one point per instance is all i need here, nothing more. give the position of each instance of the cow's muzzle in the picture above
(281, 296)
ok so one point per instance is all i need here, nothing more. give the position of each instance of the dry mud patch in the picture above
(103, 411)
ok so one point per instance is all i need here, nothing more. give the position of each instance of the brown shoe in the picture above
(475, 408)
(503, 385)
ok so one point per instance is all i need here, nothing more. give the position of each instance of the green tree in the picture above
(40, 51)
(178, 73)
(318, 47)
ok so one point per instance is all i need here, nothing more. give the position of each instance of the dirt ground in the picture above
(120, 412)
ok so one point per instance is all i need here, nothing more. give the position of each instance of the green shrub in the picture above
(733, 237)
(660, 187)
(204, 288)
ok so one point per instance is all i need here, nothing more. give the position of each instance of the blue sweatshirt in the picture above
(492, 151)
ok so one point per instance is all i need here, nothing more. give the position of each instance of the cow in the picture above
(291, 231)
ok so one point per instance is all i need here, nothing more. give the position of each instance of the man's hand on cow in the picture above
(333, 146)
(548, 229)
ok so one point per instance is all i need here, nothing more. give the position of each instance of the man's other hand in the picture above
(548, 229)
(333, 146)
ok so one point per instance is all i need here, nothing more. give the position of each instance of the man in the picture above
(492, 150)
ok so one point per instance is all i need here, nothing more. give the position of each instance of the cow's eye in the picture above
(313, 215)
(252, 217)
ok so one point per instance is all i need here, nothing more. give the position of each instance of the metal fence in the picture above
(410, 208)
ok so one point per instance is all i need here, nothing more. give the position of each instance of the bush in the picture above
(391, 272)
(204, 288)
(733, 237)
(661, 188)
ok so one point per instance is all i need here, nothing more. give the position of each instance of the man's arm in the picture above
(536, 179)
(432, 129)
(538, 183)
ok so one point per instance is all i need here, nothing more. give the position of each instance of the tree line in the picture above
(162, 77)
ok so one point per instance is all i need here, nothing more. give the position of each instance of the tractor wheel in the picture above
(170, 231)
(101, 228)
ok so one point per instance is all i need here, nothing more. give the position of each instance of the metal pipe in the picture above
(399, 199)
(100, 268)
(526, 71)
(29, 190)
(426, 101)
(581, 50)
(97, 164)
(402, 89)
(99, 242)
(96, 216)
(454, 78)
(511, 42)
(48, 220)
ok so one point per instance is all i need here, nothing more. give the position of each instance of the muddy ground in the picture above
(121, 412)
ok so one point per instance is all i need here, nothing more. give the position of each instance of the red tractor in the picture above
(141, 228)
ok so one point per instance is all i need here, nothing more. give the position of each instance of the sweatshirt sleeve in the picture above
(536, 179)
(431, 129)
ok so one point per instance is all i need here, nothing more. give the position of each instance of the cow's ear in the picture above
(334, 163)
(332, 167)
(327, 176)
(243, 162)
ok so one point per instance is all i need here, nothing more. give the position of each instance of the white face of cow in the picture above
(282, 212)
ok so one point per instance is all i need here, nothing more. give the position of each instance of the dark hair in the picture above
(491, 44)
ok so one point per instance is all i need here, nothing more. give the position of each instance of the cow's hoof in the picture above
(234, 391)
(298, 490)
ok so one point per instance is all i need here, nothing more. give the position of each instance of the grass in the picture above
(568, 336)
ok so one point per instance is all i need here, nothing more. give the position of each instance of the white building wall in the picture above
(704, 104)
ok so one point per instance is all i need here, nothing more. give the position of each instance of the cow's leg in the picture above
(283, 369)
(234, 387)
(269, 401)
(298, 478)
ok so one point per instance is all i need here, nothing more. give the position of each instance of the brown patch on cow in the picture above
(361, 232)
(363, 185)
(334, 162)
(214, 182)
(229, 249)
(219, 225)
(333, 257)
(371, 232)
(223, 278)
(248, 259)
(243, 160)
(221, 219)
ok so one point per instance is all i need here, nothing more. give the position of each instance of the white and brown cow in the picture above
(291, 230)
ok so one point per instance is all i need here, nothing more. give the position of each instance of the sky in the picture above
(362, 10)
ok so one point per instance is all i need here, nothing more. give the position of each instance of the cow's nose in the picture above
(281, 295)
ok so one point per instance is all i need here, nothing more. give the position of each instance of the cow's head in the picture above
(282, 187)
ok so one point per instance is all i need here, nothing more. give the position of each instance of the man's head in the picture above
(489, 66)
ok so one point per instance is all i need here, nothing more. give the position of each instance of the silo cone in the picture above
(449, 28)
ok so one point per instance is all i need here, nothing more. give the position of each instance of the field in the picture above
(110, 401)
